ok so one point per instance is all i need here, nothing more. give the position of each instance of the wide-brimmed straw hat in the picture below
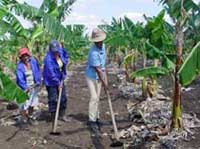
(24, 51)
(97, 35)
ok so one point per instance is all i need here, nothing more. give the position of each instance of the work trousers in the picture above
(95, 90)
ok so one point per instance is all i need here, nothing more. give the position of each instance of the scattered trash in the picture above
(152, 119)
(186, 89)
(130, 90)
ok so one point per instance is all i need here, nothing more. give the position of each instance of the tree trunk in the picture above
(176, 113)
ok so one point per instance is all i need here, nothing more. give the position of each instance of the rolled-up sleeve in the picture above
(94, 59)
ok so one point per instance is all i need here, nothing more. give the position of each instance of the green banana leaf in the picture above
(191, 66)
(153, 52)
(150, 71)
(10, 91)
(167, 63)
(37, 32)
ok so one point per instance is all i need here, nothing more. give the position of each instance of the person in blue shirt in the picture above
(28, 78)
(96, 76)
(54, 72)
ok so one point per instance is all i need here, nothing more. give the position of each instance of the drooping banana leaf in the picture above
(191, 66)
(153, 52)
(167, 63)
(37, 32)
(10, 91)
(150, 71)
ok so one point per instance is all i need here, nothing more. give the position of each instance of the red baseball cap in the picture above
(23, 51)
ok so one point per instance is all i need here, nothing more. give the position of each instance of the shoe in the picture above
(63, 117)
(22, 123)
(100, 123)
(94, 128)
(32, 120)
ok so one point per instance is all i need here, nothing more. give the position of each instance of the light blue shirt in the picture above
(96, 57)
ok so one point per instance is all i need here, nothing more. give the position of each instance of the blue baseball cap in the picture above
(54, 46)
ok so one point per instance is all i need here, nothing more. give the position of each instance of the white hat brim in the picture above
(98, 39)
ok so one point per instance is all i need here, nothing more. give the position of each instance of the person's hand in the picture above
(27, 90)
(60, 87)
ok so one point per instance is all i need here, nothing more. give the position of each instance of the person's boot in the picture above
(22, 121)
(100, 123)
(32, 120)
(63, 117)
(94, 129)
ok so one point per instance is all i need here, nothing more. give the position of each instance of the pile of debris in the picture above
(130, 90)
(152, 120)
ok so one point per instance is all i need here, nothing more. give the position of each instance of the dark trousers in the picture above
(53, 97)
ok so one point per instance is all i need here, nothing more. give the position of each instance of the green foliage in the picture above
(10, 91)
(150, 72)
(177, 10)
(159, 32)
(155, 53)
(128, 58)
(191, 66)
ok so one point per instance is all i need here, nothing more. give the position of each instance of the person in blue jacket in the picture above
(28, 78)
(55, 63)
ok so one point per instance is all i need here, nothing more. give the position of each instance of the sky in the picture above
(94, 12)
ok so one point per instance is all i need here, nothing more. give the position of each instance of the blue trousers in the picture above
(53, 97)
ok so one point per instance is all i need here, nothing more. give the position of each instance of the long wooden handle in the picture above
(112, 116)
(57, 109)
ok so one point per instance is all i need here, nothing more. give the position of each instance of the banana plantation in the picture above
(152, 68)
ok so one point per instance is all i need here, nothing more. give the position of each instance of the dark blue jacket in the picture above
(20, 73)
(52, 75)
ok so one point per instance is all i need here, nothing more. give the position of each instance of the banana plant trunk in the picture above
(176, 113)
(144, 82)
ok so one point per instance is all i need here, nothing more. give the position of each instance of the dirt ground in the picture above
(76, 134)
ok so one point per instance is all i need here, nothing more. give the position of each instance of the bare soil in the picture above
(76, 134)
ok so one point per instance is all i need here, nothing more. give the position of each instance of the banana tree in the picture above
(159, 34)
(113, 41)
(125, 50)
(179, 11)
(152, 72)
(49, 16)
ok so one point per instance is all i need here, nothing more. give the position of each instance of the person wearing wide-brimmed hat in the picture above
(54, 72)
(28, 78)
(96, 75)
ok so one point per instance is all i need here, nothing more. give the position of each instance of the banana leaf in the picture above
(153, 52)
(10, 91)
(191, 66)
(167, 63)
(150, 71)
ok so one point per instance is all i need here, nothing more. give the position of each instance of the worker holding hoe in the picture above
(96, 76)
(28, 79)
(54, 73)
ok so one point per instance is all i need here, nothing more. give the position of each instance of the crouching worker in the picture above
(55, 63)
(28, 79)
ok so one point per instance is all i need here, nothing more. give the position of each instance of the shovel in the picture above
(116, 142)
(54, 132)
